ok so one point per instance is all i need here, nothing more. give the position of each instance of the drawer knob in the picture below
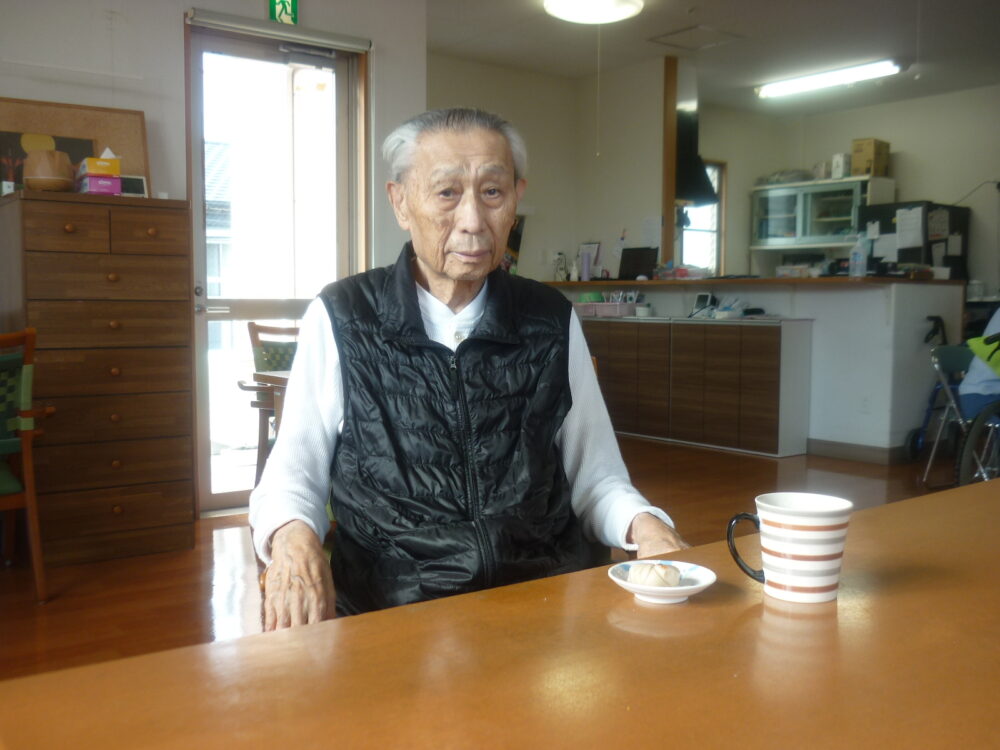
(113, 277)
(114, 325)
(152, 231)
(116, 464)
(117, 510)
(115, 372)
(69, 228)
(116, 418)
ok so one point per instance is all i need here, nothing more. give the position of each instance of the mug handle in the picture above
(757, 575)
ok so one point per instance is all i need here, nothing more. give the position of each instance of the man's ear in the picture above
(397, 197)
(520, 187)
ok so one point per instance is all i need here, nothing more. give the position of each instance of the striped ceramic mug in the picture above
(801, 544)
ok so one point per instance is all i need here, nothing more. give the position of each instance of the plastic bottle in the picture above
(574, 272)
(857, 267)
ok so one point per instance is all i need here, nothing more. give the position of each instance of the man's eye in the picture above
(446, 193)
(492, 192)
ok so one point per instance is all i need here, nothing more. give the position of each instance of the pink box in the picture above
(102, 185)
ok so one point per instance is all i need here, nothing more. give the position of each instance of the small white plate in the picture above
(694, 579)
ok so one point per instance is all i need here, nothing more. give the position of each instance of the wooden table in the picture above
(909, 657)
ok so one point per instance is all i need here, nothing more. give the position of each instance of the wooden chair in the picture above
(17, 433)
(273, 349)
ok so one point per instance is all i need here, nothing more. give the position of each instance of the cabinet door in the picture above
(687, 370)
(775, 217)
(652, 398)
(760, 381)
(614, 346)
(619, 375)
(829, 213)
(721, 414)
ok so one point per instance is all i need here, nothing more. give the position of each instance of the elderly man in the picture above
(449, 410)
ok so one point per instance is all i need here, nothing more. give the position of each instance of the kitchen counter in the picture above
(870, 366)
(821, 281)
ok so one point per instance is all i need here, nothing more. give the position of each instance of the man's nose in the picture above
(471, 213)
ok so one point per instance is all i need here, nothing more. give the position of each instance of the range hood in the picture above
(693, 187)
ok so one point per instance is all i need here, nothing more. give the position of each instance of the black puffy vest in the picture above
(446, 477)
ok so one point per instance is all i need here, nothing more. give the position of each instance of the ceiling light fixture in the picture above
(593, 11)
(840, 77)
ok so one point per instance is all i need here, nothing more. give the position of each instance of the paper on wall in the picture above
(955, 245)
(885, 247)
(873, 230)
(937, 224)
(910, 227)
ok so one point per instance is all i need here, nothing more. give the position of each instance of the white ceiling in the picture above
(949, 44)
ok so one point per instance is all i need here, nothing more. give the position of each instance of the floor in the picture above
(120, 608)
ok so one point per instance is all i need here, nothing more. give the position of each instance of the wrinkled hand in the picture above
(654, 537)
(298, 584)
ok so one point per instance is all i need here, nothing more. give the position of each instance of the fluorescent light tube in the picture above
(830, 78)
(593, 11)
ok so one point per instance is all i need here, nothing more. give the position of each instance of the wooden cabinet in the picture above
(633, 369)
(106, 281)
(733, 385)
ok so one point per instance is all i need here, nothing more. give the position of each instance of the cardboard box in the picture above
(869, 156)
(99, 185)
(840, 166)
(99, 166)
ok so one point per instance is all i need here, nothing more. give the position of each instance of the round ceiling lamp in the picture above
(593, 11)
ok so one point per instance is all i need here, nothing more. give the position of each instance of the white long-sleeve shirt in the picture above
(296, 481)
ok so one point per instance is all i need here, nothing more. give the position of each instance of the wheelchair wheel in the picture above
(979, 458)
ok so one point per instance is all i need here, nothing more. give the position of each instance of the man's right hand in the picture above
(298, 584)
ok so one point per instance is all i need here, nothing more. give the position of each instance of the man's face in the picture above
(458, 201)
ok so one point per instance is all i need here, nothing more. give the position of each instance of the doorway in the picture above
(274, 172)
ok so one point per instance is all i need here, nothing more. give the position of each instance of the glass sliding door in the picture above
(272, 174)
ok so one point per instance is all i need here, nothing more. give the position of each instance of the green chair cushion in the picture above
(9, 484)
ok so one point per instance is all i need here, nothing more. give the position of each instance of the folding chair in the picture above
(950, 364)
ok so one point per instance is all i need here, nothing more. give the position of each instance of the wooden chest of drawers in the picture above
(106, 281)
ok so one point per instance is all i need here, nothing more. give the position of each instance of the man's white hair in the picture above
(401, 144)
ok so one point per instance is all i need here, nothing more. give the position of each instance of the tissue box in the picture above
(99, 185)
(869, 156)
(98, 165)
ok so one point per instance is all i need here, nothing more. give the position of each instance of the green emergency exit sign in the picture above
(284, 11)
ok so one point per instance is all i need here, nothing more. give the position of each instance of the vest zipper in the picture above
(472, 485)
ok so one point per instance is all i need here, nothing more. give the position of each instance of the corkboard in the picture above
(123, 130)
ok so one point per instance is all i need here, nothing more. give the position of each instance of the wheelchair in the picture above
(979, 456)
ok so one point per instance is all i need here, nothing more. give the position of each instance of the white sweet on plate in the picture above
(654, 587)
(654, 575)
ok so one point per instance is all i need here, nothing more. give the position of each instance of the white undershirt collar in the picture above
(447, 327)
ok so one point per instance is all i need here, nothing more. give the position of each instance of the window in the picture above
(701, 241)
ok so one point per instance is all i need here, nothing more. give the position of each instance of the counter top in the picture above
(822, 281)
(745, 320)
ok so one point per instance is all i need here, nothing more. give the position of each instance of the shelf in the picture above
(834, 218)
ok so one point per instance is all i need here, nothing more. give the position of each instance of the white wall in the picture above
(620, 158)
(130, 55)
(543, 109)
